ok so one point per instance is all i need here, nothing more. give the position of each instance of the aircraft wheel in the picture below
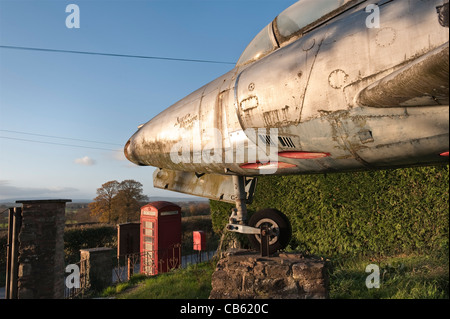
(279, 226)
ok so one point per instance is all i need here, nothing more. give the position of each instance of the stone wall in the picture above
(246, 275)
(96, 268)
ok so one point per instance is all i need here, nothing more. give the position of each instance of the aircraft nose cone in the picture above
(126, 152)
(130, 152)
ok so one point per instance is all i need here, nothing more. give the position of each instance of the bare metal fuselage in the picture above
(349, 96)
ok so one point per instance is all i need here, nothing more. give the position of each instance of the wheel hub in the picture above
(274, 230)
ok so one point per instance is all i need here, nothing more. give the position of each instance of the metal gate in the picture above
(12, 252)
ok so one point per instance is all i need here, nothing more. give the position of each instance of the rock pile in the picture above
(244, 274)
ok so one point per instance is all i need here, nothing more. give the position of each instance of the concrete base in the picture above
(244, 274)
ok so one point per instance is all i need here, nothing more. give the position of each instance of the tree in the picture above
(128, 201)
(118, 202)
(102, 206)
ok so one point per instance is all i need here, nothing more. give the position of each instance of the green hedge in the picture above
(87, 237)
(376, 212)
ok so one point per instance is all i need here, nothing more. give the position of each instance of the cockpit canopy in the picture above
(291, 22)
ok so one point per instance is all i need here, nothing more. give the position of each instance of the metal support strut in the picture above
(240, 198)
(265, 232)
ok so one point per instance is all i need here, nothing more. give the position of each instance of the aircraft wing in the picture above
(212, 186)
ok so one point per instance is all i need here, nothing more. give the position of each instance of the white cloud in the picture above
(86, 161)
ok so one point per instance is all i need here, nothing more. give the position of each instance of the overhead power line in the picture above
(59, 137)
(60, 144)
(113, 54)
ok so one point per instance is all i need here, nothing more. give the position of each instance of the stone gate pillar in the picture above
(41, 249)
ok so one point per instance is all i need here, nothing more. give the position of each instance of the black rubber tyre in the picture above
(275, 220)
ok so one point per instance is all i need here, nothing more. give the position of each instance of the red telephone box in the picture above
(160, 237)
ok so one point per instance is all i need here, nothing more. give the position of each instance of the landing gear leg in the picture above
(238, 218)
(240, 198)
(268, 230)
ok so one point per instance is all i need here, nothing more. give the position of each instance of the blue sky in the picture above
(102, 98)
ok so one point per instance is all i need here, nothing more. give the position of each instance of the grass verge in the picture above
(193, 282)
(401, 277)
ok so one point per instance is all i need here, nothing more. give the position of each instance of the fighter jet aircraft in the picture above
(327, 86)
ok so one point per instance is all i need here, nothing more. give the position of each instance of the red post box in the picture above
(199, 240)
(160, 237)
